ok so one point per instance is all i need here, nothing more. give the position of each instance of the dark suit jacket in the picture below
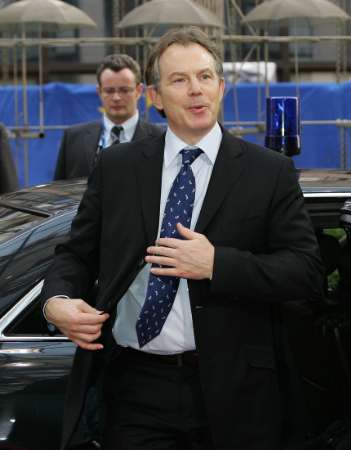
(8, 174)
(79, 144)
(265, 254)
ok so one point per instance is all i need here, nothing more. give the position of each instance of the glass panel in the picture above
(24, 260)
(31, 322)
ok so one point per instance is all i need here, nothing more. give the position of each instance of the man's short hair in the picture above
(185, 37)
(117, 62)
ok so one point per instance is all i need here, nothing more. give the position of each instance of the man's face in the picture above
(119, 94)
(190, 91)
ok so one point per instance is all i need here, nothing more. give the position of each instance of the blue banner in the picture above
(67, 104)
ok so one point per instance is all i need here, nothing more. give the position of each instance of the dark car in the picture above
(35, 358)
(320, 333)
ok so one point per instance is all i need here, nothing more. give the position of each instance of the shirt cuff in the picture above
(48, 300)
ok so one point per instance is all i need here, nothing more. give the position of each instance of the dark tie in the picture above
(115, 132)
(161, 291)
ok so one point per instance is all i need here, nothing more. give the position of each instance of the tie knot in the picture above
(116, 131)
(190, 154)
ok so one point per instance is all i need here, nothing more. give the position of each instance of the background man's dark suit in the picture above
(265, 254)
(8, 173)
(79, 145)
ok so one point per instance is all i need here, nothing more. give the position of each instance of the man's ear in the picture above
(221, 87)
(98, 90)
(140, 89)
(154, 95)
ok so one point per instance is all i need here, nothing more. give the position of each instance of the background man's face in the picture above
(190, 91)
(119, 94)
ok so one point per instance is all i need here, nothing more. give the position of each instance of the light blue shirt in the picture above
(177, 334)
(126, 134)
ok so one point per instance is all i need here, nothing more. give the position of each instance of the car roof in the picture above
(46, 199)
(325, 183)
(325, 191)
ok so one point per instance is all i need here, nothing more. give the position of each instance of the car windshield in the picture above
(32, 223)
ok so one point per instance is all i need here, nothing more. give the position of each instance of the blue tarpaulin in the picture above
(67, 104)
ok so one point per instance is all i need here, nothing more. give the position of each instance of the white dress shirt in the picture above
(126, 134)
(177, 334)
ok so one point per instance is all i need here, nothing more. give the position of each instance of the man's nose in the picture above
(116, 94)
(194, 86)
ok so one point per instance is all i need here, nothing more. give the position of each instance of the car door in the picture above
(34, 357)
(34, 364)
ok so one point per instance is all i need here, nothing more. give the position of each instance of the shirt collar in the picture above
(128, 126)
(209, 144)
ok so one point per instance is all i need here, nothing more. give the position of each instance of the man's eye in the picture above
(178, 80)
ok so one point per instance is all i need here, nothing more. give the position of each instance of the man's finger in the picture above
(161, 251)
(168, 272)
(186, 233)
(85, 307)
(90, 319)
(87, 345)
(88, 338)
(162, 260)
(84, 340)
(167, 242)
(86, 329)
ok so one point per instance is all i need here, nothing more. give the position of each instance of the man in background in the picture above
(8, 174)
(119, 88)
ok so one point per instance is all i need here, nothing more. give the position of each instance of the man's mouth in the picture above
(197, 108)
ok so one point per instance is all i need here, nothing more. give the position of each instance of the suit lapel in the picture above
(149, 176)
(91, 141)
(139, 132)
(227, 170)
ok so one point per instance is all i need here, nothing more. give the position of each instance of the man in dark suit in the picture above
(8, 173)
(188, 350)
(119, 88)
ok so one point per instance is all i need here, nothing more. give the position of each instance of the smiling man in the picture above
(186, 351)
(189, 94)
(119, 88)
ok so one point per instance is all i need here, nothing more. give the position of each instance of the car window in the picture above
(335, 248)
(25, 259)
(31, 322)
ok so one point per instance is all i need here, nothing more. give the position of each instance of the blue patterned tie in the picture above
(161, 291)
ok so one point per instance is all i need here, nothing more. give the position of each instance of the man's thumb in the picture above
(185, 232)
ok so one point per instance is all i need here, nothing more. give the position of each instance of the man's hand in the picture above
(77, 320)
(189, 258)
